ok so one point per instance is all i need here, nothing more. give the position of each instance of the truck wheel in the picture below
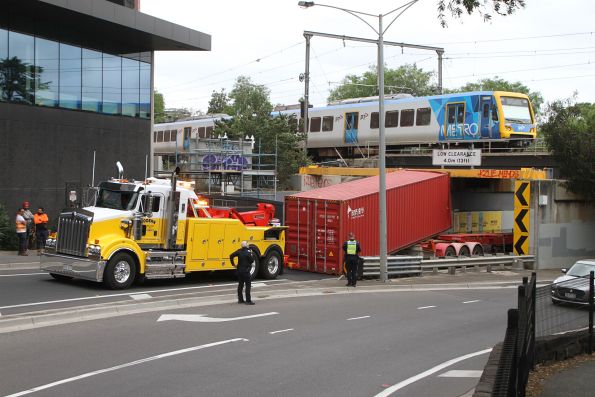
(464, 252)
(60, 277)
(120, 271)
(450, 252)
(271, 265)
(478, 250)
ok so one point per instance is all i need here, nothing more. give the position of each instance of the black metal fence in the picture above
(554, 309)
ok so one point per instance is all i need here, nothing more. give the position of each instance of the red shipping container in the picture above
(417, 203)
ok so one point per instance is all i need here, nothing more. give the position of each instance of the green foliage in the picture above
(405, 79)
(17, 79)
(159, 107)
(570, 135)
(485, 8)
(251, 108)
(219, 103)
(499, 84)
(8, 236)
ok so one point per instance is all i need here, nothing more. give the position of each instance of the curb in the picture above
(32, 320)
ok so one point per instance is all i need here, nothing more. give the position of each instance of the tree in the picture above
(219, 102)
(499, 84)
(485, 8)
(159, 107)
(18, 79)
(405, 79)
(8, 236)
(570, 135)
(252, 108)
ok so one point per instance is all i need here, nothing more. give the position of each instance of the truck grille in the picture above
(73, 232)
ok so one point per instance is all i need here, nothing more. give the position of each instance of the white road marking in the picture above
(124, 294)
(130, 364)
(357, 318)
(281, 330)
(390, 390)
(21, 274)
(200, 318)
(425, 307)
(139, 297)
(477, 300)
(461, 374)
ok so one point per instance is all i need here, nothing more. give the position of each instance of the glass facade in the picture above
(47, 73)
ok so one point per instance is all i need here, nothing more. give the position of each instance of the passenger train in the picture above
(351, 126)
(498, 117)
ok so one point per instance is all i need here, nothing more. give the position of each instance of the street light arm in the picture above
(407, 6)
(351, 12)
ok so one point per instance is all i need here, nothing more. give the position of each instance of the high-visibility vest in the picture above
(40, 218)
(21, 226)
(351, 247)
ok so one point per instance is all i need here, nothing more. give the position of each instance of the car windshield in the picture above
(117, 199)
(581, 269)
(516, 110)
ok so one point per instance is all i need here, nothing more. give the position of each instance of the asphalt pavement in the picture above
(576, 381)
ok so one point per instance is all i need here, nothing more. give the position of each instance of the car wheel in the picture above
(120, 271)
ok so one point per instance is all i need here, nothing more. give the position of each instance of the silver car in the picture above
(573, 286)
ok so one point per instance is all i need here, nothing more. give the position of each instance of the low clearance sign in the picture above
(456, 157)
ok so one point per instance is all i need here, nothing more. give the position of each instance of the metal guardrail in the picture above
(416, 265)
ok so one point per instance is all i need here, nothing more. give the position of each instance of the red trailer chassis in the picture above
(467, 244)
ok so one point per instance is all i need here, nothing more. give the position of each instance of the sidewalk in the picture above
(10, 260)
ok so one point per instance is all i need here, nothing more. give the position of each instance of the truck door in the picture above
(455, 120)
(351, 127)
(152, 232)
(486, 116)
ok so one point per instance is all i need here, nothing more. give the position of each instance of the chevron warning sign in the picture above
(522, 223)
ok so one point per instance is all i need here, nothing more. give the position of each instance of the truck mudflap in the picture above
(72, 266)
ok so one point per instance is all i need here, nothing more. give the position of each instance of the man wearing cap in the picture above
(351, 249)
(41, 229)
(28, 215)
(245, 258)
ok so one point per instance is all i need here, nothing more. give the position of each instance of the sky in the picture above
(548, 46)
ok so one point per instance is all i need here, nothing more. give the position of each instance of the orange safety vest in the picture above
(40, 218)
(21, 226)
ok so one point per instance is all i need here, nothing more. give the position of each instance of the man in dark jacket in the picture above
(351, 249)
(245, 258)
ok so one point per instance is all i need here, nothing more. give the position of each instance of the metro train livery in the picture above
(169, 138)
(499, 117)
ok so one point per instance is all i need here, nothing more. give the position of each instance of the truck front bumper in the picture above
(73, 266)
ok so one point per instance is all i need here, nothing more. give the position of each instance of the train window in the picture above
(374, 120)
(486, 110)
(451, 114)
(315, 124)
(407, 117)
(187, 132)
(461, 114)
(209, 132)
(391, 118)
(154, 136)
(423, 116)
(159, 136)
(201, 132)
(327, 123)
(494, 113)
(166, 136)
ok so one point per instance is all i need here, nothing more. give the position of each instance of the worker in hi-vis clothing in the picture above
(351, 249)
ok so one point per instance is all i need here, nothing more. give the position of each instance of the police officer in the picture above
(245, 258)
(351, 250)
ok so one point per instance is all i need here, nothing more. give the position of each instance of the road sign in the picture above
(456, 157)
(522, 217)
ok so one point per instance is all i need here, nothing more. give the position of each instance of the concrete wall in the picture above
(42, 150)
(563, 226)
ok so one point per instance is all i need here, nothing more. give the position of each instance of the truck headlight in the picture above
(94, 250)
(50, 243)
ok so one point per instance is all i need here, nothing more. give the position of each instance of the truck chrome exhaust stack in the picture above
(120, 170)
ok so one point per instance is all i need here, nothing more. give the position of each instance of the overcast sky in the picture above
(549, 46)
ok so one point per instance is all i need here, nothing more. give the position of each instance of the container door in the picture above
(486, 116)
(326, 239)
(455, 120)
(351, 127)
(297, 218)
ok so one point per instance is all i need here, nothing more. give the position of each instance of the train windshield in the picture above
(116, 196)
(516, 110)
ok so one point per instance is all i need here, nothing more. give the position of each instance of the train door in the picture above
(455, 120)
(486, 116)
(351, 127)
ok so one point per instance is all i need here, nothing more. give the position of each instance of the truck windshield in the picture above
(117, 199)
(516, 110)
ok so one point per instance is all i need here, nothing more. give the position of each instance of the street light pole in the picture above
(382, 235)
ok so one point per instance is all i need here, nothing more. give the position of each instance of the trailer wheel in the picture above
(120, 271)
(271, 265)
(477, 250)
(61, 277)
(450, 252)
(464, 252)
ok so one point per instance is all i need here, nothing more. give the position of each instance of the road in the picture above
(366, 344)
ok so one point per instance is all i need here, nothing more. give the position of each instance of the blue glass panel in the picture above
(47, 63)
(21, 71)
(130, 87)
(112, 84)
(92, 80)
(70, 76)
(3, 61)
(145, 88)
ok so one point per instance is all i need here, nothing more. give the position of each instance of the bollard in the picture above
(489, 269)
(452, 270)
(463, 269)
(517, 264)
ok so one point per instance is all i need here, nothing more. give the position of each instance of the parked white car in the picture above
(573, 286)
